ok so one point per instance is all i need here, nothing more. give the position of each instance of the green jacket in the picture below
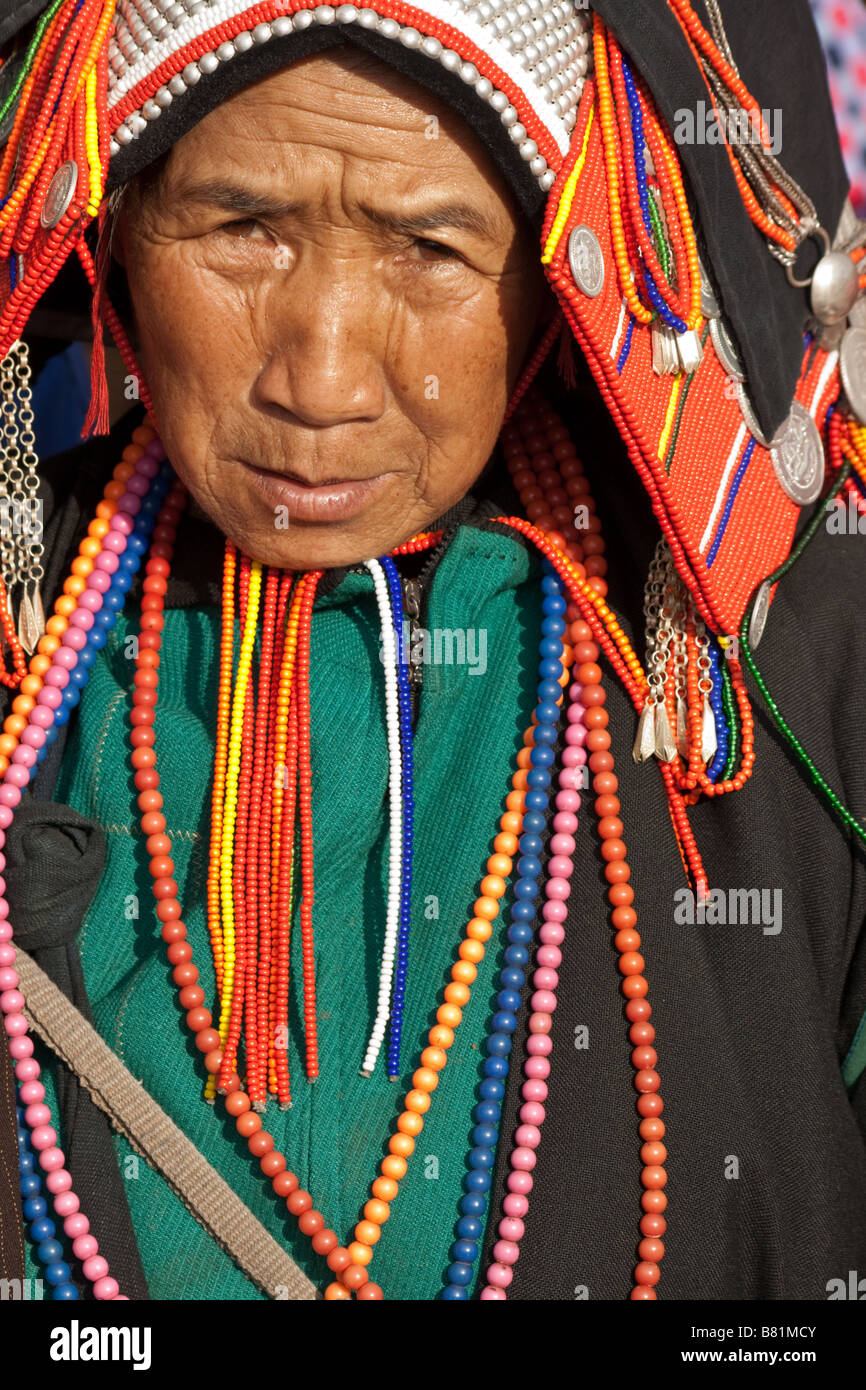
(483, 597)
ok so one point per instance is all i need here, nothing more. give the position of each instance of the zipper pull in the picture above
(412, 610)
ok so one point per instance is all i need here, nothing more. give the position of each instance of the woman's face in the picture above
(334, 292)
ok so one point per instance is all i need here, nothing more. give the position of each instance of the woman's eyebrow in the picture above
(247, 202)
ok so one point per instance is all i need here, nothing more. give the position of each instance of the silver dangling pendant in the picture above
(645, 743)
(689, 350)
(709, 742)
(665, 747)
(31, 618)
(666, 361)
(682, 739)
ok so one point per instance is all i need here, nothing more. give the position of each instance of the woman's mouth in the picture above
(337, 500)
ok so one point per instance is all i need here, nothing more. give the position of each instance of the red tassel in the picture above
(565, 360)
(97, 421)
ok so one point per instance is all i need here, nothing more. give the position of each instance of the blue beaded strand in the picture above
(717, 706)
(113, 601)
(43, 1232)
(512, 979)
(658, 303)
(404, 702)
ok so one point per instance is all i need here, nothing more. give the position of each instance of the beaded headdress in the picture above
(101, 89)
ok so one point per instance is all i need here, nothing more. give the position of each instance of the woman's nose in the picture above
(326, 359)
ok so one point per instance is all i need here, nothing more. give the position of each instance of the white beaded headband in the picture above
(529, 58)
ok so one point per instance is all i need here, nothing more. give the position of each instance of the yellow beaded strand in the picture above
(567, 198)
(230, 809)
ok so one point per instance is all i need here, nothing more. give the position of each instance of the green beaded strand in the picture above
(732, 719)
(820, 782)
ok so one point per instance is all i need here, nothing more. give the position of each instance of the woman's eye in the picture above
(245, 229)
(435, 250)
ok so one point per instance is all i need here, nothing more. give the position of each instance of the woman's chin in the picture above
(314, 546)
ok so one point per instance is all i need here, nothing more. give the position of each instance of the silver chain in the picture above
(21, 547)
(759, 163)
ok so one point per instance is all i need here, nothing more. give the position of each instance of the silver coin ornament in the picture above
(834, 287)
(749, 416)
(852, 365)
(59, 195)
(586, 261)
(725, 350)
(857, 316)
(709, 303)
(798, 456)
(758, 620)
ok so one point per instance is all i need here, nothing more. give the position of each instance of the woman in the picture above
(327, 228)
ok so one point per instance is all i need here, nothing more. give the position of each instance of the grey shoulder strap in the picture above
(136, 1115)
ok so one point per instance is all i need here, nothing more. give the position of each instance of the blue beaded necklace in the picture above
(487, 1114)
(42, 1231)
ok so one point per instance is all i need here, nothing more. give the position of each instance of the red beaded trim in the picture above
(406, 15)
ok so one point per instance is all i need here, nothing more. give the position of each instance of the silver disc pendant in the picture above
(59, 195)
(834, 287)
(852, 364)
(798, 456)
(725, 350)
(586, 261)
(749, 416)
(758, 620)
(709, 303)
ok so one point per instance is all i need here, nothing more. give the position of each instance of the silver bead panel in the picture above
(549, 43)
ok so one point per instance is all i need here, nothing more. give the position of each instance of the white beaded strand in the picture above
(395, 797)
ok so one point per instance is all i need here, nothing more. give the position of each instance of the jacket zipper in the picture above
(414, 598)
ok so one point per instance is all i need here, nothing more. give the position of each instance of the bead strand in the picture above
(390, 637)
(631, 965)
(43, 1232)
(305, 799)
(82, 630)
(539, 744)
(223, 716)
(548, 958)
(407, 789)
(256, 1070)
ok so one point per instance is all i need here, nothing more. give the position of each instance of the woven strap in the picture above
(136, 1115)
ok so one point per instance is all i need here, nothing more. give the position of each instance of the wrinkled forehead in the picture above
(338, 126)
